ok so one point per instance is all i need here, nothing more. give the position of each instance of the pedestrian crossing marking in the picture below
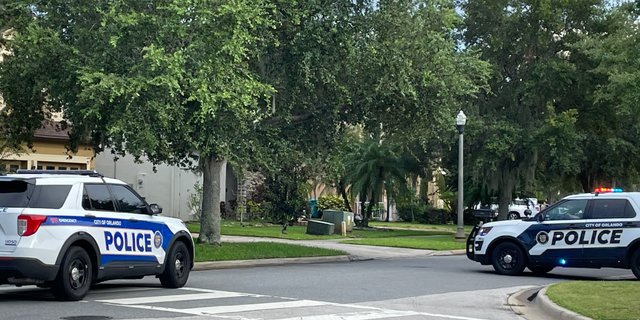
(175, 298)
(256, 306)
(378, 314)
(234, 311)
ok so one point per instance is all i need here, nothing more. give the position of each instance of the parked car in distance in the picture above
(517, 209)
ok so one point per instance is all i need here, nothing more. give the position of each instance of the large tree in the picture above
(609, 120)
(510, 127)
(167, 80)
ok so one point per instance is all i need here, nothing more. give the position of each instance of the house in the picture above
(428, 188)
(169, 186)
(49, 152)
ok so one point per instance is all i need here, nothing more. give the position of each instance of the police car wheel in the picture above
(540, 270)
(74, 277)
(635, 263)
(513, 216)
(507, 258)
(176, 272)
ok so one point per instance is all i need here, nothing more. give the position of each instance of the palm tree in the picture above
(374, 167)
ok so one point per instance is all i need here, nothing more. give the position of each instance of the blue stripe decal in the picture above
(122, 235)
(106, 258)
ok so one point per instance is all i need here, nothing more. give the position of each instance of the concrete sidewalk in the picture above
(355, 253)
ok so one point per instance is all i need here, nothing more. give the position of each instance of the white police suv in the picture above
(594, 230)
(73, 228)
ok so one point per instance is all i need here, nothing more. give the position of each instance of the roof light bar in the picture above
(606, 190)
(91, 173)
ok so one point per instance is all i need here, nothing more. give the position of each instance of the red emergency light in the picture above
(606, 190)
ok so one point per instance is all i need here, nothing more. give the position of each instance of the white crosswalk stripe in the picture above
(175, 298)
(257, 306)
(247, 311)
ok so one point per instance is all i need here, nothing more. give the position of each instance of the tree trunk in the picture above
(210, 218)
(343, 192)
(388, 208)
(504, 198)
(367, 216)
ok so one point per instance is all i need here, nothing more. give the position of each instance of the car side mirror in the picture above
(155, 208)
(540, 217)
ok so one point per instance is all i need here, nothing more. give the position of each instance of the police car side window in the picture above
(99, 197)
(128, 201)
(568, 210)
(611, 209)
(629, 212)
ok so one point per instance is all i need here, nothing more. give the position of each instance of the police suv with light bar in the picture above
(594, 230)
(68, 229)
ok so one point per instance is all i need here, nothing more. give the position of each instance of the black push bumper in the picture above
(20, 268)
(471, 247)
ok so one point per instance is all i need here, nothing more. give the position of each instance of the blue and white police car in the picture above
(70, 229)
(593, 230)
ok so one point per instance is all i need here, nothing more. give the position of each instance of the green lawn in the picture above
(259, 250)
(299, 232)
(415, 225)
(600, 300)
(433, 243)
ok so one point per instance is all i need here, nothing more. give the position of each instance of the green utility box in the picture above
(336, 217)
(321, 228)
(313, 208)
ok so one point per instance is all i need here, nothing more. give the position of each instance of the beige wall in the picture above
(47, 153)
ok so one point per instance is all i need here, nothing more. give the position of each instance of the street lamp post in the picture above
(461, 120)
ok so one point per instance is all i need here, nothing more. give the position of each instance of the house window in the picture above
(39, 167)
(13, 167)
(62, 168)
(73, 168)
(51, 168)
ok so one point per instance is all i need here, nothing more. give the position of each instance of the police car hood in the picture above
(505, 223)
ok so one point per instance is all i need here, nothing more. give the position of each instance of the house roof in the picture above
(52, 130)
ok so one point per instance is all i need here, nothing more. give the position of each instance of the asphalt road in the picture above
(433, 288)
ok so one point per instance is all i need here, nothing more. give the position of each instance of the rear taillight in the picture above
(28, 224)
(537, 208)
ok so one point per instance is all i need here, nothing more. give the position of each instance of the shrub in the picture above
(436, 216)
(331, 202)
(194, 201)
(412, 212)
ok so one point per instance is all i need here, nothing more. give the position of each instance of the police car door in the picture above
(106, 221)
(147, 236)
(557, 238)
(609, 230)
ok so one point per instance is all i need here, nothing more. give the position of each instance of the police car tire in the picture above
(65, 287)
(541, 270)
(635, 263)
(176, 274)
(513, 267)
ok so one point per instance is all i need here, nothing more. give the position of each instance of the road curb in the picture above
(551, 309)
(456, 252)
(212, 265)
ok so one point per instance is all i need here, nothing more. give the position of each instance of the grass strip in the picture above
(299, 232)
(600, 300)
(415, 225)
(432, 243)
(259, 250)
